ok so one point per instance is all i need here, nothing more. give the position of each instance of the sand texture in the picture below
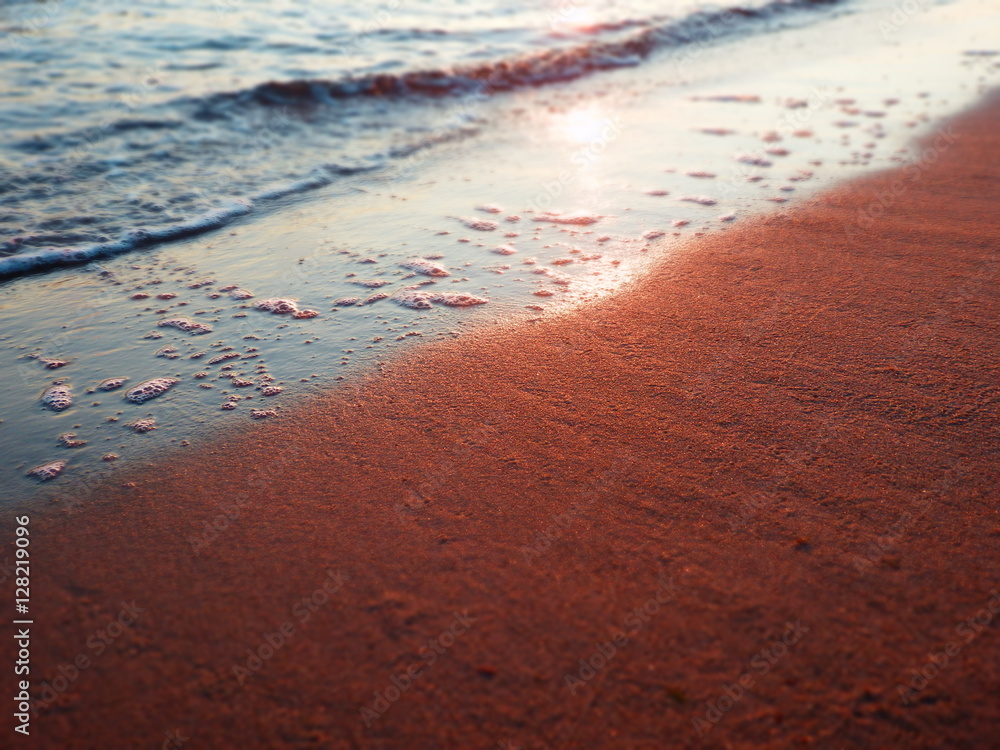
(787, 431)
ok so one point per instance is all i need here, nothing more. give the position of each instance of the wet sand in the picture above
(774, 459)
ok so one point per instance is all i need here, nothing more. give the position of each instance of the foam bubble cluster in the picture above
(480, 225)
(68, 440)
(346, 301)
(412, 299)
(185, 324)
(223, 357)
(111, 384)
(48, 471)
(580, 219)
(240, 294)
(262, 413)
(150, 389)
(49, 363)
(277, 305)
(703, 200)
(143, 425)
(457, 299)
(753, 160)
(426, 267)
(504, 250)
(58, 397)
(420, 300)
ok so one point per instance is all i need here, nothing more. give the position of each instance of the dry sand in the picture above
(794, 421)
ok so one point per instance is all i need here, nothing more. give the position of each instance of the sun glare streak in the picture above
(574, 16)
(580, 18)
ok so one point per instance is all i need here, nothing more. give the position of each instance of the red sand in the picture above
(791, 422)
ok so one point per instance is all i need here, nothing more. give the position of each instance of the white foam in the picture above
(47, 362)
(371, 283)
(58, 397)
(413, 299)
(143, 425)
(185, 324)
(457, 299)
(48, 471)
(752, 160)
(737, 98)
(68, 440)
(481, 225)
(111, 384)
(580, 219)
(425, 267)
(223, 358)
(22, 263)
(150, 389)
(277, 305)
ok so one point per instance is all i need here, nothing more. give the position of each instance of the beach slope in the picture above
(741, 504)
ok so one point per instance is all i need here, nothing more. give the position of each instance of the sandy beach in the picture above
(751, 503)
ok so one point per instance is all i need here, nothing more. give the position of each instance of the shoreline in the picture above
(801, 435)
(667, 160)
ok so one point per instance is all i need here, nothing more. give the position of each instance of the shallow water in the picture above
(123, 127)
(613, 155)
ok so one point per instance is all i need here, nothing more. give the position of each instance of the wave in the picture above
(43, 260)
(483, 79)
(534, 69)
(49, 258)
